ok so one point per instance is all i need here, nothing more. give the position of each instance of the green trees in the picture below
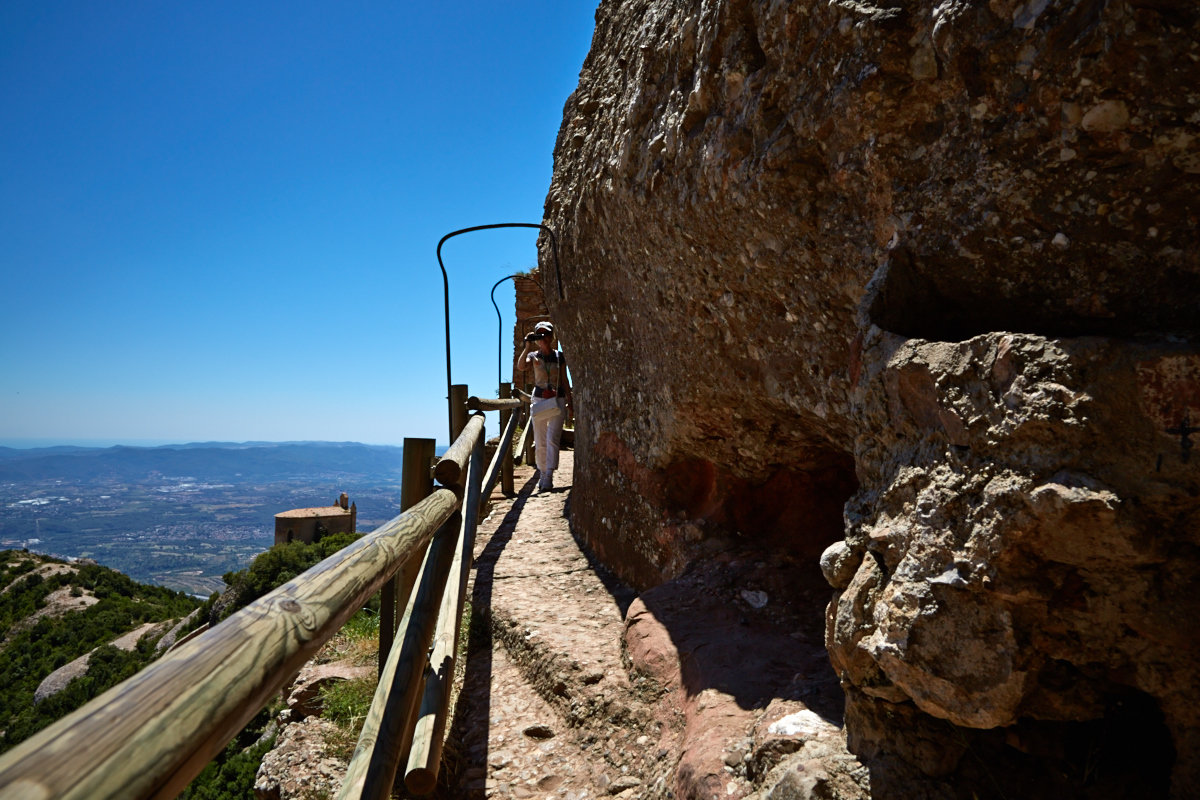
(39, 637)
(230, 776)
(273, 568)
(44, 626)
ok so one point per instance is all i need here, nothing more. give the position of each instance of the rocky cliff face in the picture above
(919, 279)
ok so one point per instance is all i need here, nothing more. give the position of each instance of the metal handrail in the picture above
(446, 287)
(500, 320)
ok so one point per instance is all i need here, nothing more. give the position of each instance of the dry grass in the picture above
(346, 703)
(356, 643)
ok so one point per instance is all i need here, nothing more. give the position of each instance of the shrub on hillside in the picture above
(273, 568)
(36, 646)
(230, 776)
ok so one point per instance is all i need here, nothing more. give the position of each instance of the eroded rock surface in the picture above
(749, 702)
(300, 765)
(1025, 536)
(729, 177)
(937, 258)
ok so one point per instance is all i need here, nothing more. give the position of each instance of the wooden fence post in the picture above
(425, 753)
(387, 730)
(416, 483)
(527, 457)
(149, 736)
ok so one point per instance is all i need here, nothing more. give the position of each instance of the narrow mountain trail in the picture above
(713, 685)
(547, 707)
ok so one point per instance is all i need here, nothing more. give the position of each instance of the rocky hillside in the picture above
(68, 631)
(917, 282)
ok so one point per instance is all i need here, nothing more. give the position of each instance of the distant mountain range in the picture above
(245, 461)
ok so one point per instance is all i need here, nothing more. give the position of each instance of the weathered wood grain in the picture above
(502, 456)
(493, 404)
(387, 730)
(425, 755)
(415, 485)
(450, 468)
(526, 446)
(150, 735)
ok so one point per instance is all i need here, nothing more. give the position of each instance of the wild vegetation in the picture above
(52, 612)
(230, 776)
(41, 629)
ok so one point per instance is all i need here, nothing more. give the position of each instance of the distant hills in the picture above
(208, 461)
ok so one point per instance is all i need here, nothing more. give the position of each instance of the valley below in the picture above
(182, 517)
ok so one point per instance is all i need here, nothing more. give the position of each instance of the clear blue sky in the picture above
(218, 220)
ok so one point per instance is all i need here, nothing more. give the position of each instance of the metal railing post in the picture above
(446, 279)
(458, 410)
(506, 447)
(500, 320)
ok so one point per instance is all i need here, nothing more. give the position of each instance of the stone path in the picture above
(547, 708)
(713, 686)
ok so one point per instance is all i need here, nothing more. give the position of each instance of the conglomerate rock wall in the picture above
(919, 280)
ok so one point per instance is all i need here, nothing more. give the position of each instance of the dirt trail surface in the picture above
(710, 686)
(547, 707)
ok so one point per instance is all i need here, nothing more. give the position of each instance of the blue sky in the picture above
(218, 220)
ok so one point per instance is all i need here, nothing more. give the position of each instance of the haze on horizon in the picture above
(219, 222)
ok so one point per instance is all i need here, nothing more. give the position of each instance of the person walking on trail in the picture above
(551, 402)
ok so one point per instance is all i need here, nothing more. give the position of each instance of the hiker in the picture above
(551, 402)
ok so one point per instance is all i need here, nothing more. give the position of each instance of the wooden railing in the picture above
(151, 735)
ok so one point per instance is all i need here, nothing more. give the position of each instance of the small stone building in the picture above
(310, 524)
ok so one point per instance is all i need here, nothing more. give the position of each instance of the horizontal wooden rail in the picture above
(450, 469)
(388, 729)
(494, 403)
(150, 735)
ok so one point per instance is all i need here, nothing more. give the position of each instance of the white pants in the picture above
(548, 418)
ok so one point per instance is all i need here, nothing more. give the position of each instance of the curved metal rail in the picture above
(446, 286)
(500, 320)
